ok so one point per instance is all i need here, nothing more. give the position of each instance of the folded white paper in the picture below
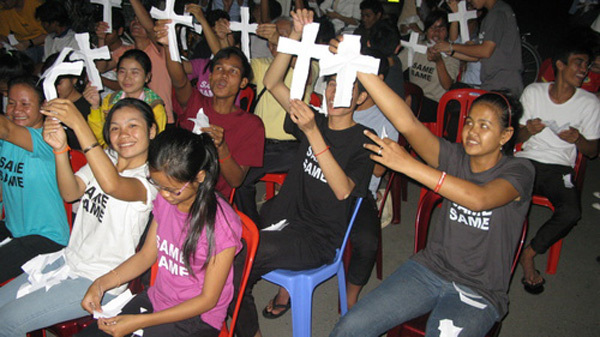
(12, 40)
(57, 69)
(201, 121)
(7, 240)
(113, 308)
(277, 226)
(552, 125)
(37, 278)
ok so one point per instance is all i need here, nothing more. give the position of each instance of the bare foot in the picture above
(530, 274)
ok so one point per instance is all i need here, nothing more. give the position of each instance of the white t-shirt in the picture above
(582, 112)
(112, 227)
(54, 44)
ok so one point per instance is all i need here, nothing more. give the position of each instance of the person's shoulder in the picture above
(587, 97)
(519, 162)
(537, 88)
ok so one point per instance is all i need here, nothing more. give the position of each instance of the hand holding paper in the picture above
(246, 28)
(107, 6)
(113, 308)
(169, 13)
(463, 16)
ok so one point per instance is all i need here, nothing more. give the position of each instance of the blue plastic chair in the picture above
(301, 284)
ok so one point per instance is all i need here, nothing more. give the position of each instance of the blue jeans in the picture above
(41, 308)
(411, 291)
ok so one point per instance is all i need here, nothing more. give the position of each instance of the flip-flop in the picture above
(271, 315)
(534, 289)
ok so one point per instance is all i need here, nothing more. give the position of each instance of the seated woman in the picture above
(330, 169)
(462, 275)
(434, 72)
(35, 215)
(134, 71)
(116, 200)
(193, 238)
(70, 87)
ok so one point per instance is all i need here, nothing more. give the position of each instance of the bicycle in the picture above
(531, 60)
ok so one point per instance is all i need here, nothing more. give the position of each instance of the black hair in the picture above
(81, 79)
(433, 17)
(567, 48)
(14, 64)
(384, 37)
(118, 20)
(135, 103)
(212, 16)
(181, 155)
(275, 9)
(373, 5)
(226, 53)
(28, 81)
(509, 112)
(53, 11)
(326, 30)
(139, 56)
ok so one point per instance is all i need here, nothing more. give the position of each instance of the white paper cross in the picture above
(246, 28)
(107, 6)
(345, 64)
(201, 121)
(413, 46)
(88, 55)
(57, 69)
(305, 49)
(169, 13)
(463, 16)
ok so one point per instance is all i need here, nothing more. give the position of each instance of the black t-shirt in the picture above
(476, 249)
(306, 200)
(84, 107)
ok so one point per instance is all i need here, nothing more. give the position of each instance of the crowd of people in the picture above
(169, 143)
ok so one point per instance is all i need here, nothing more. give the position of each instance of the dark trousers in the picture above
(20, 250)
(291, 248)
(278, 158)
(364, 239)
(193, 326)
(549, 182)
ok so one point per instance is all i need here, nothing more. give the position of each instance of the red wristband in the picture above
(440, 182)
(320, 153)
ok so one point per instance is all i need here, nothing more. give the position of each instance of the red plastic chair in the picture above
(427, 204)
(465, 98)
(78, 160)
(270, 180)
(247, 98)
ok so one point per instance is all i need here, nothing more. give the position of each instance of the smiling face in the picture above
(24, 107)
(132, 77)
(226, 77)
(437, 32)
(483, 133)
(575, 71)
(129, 134)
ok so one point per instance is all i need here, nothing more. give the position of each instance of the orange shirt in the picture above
(22, 23)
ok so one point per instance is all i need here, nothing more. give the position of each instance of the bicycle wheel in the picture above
(531, 63)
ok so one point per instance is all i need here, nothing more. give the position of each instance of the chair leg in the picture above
(553, 257)
(404, 186)
(301, 309)
(379, 261)
(396, 193)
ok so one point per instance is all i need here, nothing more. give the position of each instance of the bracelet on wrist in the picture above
(320, 153)
(224, 159)
(440, 182)
(87, 149)
(66, 149)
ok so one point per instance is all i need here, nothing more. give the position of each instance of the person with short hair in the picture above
(55, 19)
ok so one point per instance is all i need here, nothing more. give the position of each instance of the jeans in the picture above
(41, 308)
(411, 291)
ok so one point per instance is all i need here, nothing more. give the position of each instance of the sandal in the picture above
(270, 314)
(534, 289)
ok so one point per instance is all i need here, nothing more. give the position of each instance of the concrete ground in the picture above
(569, 306)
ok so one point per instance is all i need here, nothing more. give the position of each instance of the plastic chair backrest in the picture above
(247, 98)
(416, 94)
(250, 234)
(465, 98)
(270, 180)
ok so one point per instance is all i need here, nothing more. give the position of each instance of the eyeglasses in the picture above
(166, 189)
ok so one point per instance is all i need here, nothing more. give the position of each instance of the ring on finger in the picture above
(380, 149)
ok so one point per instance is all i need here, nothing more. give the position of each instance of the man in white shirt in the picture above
(559, 120)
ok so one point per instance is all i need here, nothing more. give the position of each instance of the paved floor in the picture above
(570, 305)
